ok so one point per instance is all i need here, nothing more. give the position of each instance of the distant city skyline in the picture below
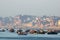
(29, 7)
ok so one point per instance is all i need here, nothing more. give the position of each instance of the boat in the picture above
(32, 31)
(2, 30)
(52, 32)
(20, 32)
(11, 30)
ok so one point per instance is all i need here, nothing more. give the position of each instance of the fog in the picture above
(29, 7)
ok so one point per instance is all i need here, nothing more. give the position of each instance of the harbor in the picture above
(13, 36)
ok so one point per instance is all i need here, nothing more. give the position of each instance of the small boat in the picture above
(42, 32)
(11, 30)
(32, 31)
(52, 32)
(19, 30)
(2, 30)
(22, 33)
(58, 31)
(27, 31)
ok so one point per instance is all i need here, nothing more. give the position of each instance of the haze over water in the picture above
(29, 7)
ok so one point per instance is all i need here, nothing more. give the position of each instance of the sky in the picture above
(29, 7)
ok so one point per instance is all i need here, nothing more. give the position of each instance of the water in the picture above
(31, 38)
(14, 36)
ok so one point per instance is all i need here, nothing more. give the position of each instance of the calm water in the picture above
(31, 38)
(13, 36)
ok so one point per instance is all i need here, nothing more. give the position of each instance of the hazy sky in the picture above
(29, 7)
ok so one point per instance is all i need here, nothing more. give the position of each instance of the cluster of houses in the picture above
(28, 21)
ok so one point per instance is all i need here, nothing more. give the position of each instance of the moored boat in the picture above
(52, 32)
(2, 30)
(11, 30)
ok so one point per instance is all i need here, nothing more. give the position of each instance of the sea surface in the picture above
(14, 36)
